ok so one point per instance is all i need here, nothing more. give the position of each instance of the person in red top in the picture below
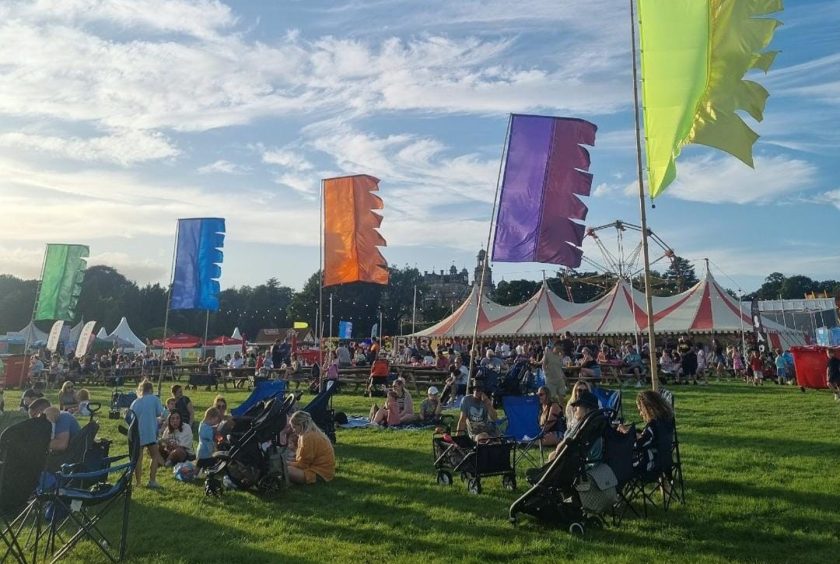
(757, 365)
(379, 371)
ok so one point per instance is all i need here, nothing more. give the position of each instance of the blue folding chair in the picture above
(523, 425)
(609, 399)
(262, 391)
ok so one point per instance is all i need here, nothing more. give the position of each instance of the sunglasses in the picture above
(541, 394)
(221, 405)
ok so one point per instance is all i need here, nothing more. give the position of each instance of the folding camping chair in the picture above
(676, 485)
(85, 507)
(23, 453)
(610, 400)
(522, 414)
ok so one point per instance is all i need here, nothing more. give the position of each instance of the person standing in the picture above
(832, 372)
(555, 378)
(147, 408)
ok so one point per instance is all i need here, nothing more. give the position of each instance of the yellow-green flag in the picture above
(695, 54)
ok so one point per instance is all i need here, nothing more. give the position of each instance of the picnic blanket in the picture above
(361, 422)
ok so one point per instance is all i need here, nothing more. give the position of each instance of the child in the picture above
(170, 407)
(431, 407)
(757, 365)
(737, 363)
(84, 401)
(206, 438)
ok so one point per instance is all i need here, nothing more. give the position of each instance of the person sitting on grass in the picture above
(176, 442)
(147, 409)
(551, 423)
(30, 395)
(314, 458)
(388, 414)
(84, 402)
(478, 416)
(431, 407)
(183, 405)
(207, 438)
(67, 400)
(659, 419)
(404, 402)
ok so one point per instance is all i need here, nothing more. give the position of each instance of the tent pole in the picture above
(204, 342)
(654, 377)
(487, 256)
(166, 316)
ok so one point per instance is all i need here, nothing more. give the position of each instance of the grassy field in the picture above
(761, 471)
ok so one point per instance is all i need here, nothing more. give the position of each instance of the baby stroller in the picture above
(474, 461)
(254, 459)
(519, 380)
(567, 491)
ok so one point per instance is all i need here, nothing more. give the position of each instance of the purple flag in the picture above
(544, 175)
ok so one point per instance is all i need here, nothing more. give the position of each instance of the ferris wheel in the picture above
(620, 246)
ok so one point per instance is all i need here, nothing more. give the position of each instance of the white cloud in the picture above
(124, 147)
(222, 167)
(727, 180)
(285, 158)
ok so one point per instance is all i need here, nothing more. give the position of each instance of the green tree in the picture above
(397, 300)
(795, 287)
(514, 292)
(771, 289)
(17, 299)
(680, 276)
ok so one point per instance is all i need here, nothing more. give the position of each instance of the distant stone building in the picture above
(450, 289)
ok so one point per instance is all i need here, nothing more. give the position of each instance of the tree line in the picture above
(107, 295)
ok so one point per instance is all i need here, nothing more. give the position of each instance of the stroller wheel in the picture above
(212, 486)
(595, 522)
(576, 529)
(474, 486)
(444, 478)
(509, 482)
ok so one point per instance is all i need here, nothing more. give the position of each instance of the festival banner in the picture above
(539, 205)
(61, 282)
(345, 329)
(694, 56)
(55, 335)
(85, 339)
(351, 239)
(198, 260)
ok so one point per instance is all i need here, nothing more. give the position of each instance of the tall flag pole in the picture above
(654, 372)
(319, 315)
(487, 256)
(694, 55)
(196, 269)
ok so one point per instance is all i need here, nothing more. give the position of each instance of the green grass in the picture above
(760, 467)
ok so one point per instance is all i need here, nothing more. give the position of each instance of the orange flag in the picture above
(350, 236)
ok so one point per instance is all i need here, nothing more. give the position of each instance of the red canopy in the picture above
(222, 341)
(178, 341)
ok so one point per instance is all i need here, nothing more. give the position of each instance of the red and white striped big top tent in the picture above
(705, 308)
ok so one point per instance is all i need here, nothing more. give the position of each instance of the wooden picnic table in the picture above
(239, 376)
(420, 377)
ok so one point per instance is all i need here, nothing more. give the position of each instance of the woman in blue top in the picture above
(147, 408)
(207, 438)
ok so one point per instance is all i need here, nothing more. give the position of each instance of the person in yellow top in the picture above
(315, 457)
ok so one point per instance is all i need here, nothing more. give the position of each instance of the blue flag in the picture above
(198, 260)
(345, 329)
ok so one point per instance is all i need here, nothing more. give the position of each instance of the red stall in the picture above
(811, 363)
(17, 368)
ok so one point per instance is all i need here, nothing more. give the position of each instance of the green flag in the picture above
(694, 57)
(61, 283)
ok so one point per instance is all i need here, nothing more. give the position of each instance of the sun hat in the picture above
(432, 391)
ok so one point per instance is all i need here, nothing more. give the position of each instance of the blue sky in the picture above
(118, 117)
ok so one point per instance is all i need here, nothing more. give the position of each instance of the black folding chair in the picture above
(23, 453)
(675, 485)
(85, 507)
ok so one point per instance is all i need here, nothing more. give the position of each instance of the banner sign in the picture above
(345, 329)
(55, 335)
(85, 339)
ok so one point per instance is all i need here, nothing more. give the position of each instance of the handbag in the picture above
(597, 489)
